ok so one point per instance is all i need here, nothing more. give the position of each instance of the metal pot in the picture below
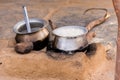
(75, 38)
(38, 35)
(70, 42)
(38, 27)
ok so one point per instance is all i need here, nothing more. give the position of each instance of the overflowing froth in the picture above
(70, 31)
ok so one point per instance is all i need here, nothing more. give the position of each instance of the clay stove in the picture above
(60, 54)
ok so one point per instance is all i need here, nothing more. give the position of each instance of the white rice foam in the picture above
(69, 31)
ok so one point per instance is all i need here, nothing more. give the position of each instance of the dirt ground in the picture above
(39, 66)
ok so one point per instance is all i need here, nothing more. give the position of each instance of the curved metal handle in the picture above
(90, 36)
(94, 23)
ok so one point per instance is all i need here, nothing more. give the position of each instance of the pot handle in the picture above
(90, 36)
(94, 23)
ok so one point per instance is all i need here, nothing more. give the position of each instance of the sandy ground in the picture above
(37, 65)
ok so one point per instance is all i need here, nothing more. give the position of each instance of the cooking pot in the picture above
(38, 35)
(70, 38)
(38, 27)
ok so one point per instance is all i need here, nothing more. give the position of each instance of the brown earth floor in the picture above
(70, 13)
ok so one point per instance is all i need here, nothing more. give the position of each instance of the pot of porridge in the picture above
(70, 38)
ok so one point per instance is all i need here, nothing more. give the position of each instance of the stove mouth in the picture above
(55, 53)
(51, 47)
